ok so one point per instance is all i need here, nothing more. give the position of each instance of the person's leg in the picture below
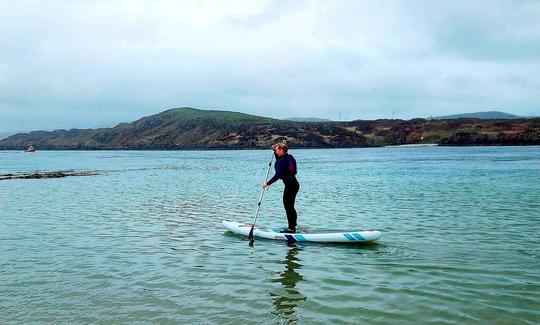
(289, 196)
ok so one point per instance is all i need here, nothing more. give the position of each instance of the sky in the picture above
(79, 64)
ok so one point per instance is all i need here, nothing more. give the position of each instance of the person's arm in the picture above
(281, 165)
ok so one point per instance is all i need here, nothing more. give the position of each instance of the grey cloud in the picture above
(483, 30)
(62, 66)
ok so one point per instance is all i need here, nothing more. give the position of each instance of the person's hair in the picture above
(282, 145)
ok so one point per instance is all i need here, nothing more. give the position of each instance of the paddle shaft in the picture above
(250, 236)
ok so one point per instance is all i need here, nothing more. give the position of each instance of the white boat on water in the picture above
(31, 149)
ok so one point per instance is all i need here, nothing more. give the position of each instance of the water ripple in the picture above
(144, 243)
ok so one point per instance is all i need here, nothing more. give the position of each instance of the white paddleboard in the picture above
(305, 235)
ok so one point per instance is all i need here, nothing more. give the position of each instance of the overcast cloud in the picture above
(67, 64)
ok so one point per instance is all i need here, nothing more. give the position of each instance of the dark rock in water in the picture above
(53, 174)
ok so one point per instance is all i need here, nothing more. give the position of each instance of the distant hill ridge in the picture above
(307, 119)
(480, 115)
(190, 128)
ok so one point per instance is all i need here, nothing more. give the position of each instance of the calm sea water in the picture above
(143, 242)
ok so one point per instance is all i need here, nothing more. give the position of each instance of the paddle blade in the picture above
(250, 236)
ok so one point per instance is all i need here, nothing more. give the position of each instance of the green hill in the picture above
(189, 128)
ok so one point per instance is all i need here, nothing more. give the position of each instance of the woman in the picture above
(285, 167)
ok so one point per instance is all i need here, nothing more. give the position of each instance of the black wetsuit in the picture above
(286, 170)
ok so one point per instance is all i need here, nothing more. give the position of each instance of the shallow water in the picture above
(143, 242)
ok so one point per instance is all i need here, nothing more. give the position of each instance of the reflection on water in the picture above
(287, 298)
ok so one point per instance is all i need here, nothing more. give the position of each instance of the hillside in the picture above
(189, 128)
(457, 132)
(491, 115)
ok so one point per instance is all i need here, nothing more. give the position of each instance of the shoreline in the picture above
(260, 148)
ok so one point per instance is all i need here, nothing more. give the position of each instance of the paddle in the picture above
(250, 236)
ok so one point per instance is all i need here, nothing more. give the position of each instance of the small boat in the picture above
(31, 148)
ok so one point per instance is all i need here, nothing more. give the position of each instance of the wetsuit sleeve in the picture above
(280, 169)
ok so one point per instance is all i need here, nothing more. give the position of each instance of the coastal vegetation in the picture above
(189, 128)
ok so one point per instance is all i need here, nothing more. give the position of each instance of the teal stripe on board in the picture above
(349, 237)
(300, 238)
(358, 236)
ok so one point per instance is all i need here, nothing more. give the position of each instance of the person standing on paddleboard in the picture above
(285, 167)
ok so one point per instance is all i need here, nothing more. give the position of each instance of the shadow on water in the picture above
(287, 298)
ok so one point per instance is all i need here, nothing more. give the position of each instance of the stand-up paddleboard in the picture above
(322, 236)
